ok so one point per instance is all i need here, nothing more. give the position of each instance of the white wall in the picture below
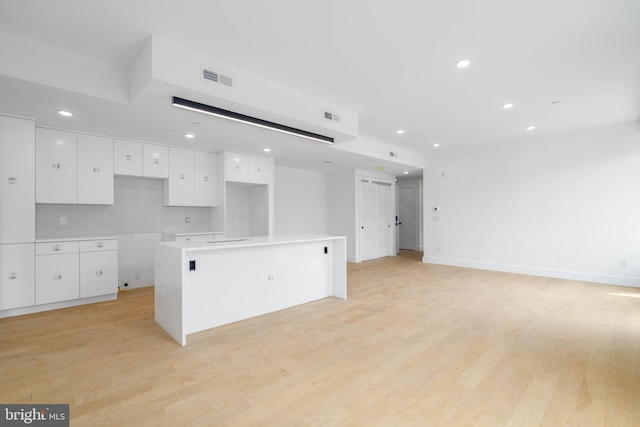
(565, 205)
(300, 201)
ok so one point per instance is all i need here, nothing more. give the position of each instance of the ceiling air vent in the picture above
(210, 75)
(392, 154)
(216, 77)
(331, 116)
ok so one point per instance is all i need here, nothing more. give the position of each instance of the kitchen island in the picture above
(203, 284)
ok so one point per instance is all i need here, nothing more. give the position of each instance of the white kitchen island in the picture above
(203, 284)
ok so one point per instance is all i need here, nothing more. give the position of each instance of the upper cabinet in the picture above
(192, 178)
(56, 166)
(246, 168)
(95, 170)
(17, 180)
(127, 157)
(140, 159)
(73, 168)
(155, 161)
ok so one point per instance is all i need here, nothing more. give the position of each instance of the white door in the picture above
(408, 217)
(375, 220)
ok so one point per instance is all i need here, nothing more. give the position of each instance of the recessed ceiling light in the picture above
(189, 135)
(507, 105)
(266, 150)
(400, 131)
(531, 127)
(65, 113)
(436, 145)
(406, 172)
(463, 63)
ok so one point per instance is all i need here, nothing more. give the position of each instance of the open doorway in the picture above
(409, 211)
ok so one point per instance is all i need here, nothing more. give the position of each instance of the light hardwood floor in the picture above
(414, 344)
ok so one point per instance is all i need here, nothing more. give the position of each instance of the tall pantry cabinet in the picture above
(17, 212)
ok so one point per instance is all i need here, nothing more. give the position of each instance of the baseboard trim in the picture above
(56, 305)
(628, 281)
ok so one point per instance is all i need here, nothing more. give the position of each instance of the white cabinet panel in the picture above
(17, 180)
(236, 167)
(205, 176)
(127, 157)
(17, 283)
(258, 170)
(95, 170)
(98, 273)
(179, 189)
(56, 166)
(57, 278)
(155, 161)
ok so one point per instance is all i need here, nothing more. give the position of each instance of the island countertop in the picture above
(238, 242)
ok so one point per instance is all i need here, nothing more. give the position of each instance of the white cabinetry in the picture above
(57, 265)
(95, 170)
(258, 170)
(140, 159)
(245, 168)
(127, 157)
(17, 284)
(179, 189)
(17, 180)
(56, 166)
(192, 178)
(205, 177)
(155, 161)
(98, 268)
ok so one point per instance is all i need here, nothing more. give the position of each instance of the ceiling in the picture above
(390, 61)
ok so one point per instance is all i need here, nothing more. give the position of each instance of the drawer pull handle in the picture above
(96, 169)
(128, 157)
(99, 245)
(57, 277)
(56, 248)
(156, 161)
(181, 176)
(13, 180)
(99, 273)
(55, 166)
(13, 276)
(206, 178)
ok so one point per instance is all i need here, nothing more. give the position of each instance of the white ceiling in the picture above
(390, 61)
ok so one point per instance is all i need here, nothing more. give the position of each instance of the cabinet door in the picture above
(56, 166)
(179, 189)
(236, 167)
(57, 278)
(155, 161)
(17, 284)
(17, 180)
(205, 173)
(95, 170)
(98, 273)
(258, 170)
(127, 158)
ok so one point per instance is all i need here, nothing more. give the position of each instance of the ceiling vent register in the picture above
(331, 116)
(217, 77)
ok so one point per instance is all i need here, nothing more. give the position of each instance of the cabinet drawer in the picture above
(53, 248)
(98, 245)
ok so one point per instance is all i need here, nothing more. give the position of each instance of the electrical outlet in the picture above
(63, 220)
(623, 263)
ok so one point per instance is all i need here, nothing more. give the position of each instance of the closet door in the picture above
(375, 219)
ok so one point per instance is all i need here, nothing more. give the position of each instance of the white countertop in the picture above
(240, 242)
(74, 239)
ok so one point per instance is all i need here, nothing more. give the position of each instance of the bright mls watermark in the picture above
(34, 415)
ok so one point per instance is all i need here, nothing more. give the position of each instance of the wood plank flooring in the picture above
(414, 345)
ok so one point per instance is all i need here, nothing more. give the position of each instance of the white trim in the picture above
(538, 271)
(56, 305)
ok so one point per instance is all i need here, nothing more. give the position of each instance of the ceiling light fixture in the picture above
(507, 105)
(532, 127)
(436, 145)
(65, 113)
(400, 131)
(463, 63)
(267, 150)
(189, 135)
(406, 172)
(241, 118)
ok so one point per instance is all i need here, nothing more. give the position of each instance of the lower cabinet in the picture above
(17, 285)
(69, 270)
